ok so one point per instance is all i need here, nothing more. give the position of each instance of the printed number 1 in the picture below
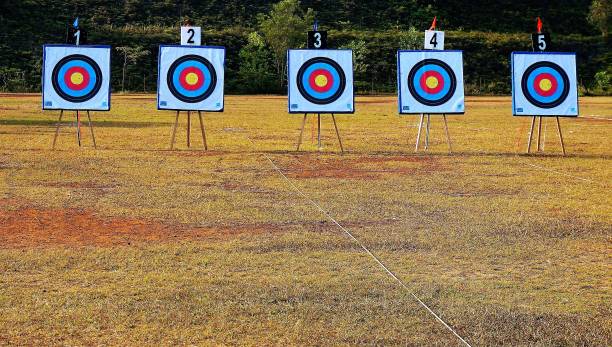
(190, 39)
(317, 43)
(541, 43)
(434, 40)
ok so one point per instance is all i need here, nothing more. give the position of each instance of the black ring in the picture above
(559, 70)
(206, 93)
(449, 71)
(64, 61)
(311, 98)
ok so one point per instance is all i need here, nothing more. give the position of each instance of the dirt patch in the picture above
(367, 167)
(28, 227)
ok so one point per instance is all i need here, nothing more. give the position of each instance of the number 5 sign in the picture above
(540, 41)
(434, 40)
(191, 36)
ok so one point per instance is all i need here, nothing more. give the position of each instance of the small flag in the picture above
(315, 26)
(76, 23)
(433, 24)
(539, 25)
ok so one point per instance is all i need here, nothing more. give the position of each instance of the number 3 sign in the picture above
(434, 40)
(191, 36)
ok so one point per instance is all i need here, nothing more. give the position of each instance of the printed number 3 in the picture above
(190, 39)
(541, 43)
(317, 43)
(434, 40)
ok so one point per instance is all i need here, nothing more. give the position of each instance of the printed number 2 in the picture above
(317, 43)
(541, 43)
(190, 39)
(434, 40)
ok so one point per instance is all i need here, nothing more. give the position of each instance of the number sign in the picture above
(540, 41)
(434, 40)
(191, 36)
(317, 39)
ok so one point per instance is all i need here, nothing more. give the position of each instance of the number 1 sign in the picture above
(191, 36)
(434, 40)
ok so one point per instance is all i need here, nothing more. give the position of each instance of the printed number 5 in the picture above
(434, 40)
(317, 43)
(541, 43)
(190, 39)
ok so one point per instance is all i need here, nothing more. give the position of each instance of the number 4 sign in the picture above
(434, 40)
(191, 36)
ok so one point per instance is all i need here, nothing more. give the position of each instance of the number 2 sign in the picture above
(434, 40)
(191, 36)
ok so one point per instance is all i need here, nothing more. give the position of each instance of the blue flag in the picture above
(76, 23)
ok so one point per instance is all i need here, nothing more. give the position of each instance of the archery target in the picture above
(430, 82)
(191, 78)
(544, 84)
(320, 81)
(76, 77)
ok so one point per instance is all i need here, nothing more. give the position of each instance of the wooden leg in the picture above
(427, 132)
(78, 133)
(188, 129)
(450, 148)
(319, 131)
(530, 135)
(174, 130)
(301, 132)
(337, 133)
(418, 139)
(560, 135)
(93, 137)
(57, 128)
(540, 134)
(203, 130)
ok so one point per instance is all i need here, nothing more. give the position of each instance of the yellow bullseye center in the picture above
(321, 81)
(76, 78)
(545, 84)
(191, 78)
(431, 82)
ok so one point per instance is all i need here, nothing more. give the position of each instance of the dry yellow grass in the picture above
(135, 244)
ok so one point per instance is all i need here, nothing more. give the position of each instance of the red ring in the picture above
(436, 75)
(313, 76)
(539, 78)
(73, 70)
(183, 76)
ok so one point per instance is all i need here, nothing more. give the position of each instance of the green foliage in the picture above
(255, 74)
(600, 15)
(283, 28)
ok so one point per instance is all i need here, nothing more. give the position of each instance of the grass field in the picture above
(134, 244)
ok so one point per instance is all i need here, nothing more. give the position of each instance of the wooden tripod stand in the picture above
(540, 147)
(418, 139)
(189, 129)
(319, 132)
(78, 130)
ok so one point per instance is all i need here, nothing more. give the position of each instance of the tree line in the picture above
(257, 34)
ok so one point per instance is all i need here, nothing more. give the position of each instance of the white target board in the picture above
(191, 78)
(76, 77)
(430, 82)
(320, 81)
(544, 84)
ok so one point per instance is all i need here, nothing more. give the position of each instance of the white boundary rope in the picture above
(347, 232)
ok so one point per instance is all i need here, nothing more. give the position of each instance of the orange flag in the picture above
(433, 24)
(539, 25)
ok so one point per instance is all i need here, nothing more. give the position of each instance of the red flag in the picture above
(433, 24)
(539, 25)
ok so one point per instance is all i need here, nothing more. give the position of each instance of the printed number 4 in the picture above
(190, 39)
(317, 43)
(434, 40)
(541, 43)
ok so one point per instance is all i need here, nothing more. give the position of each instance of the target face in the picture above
(191, 78)
(320, 81)
(76, 77)
(543, 84)
(430, 82)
